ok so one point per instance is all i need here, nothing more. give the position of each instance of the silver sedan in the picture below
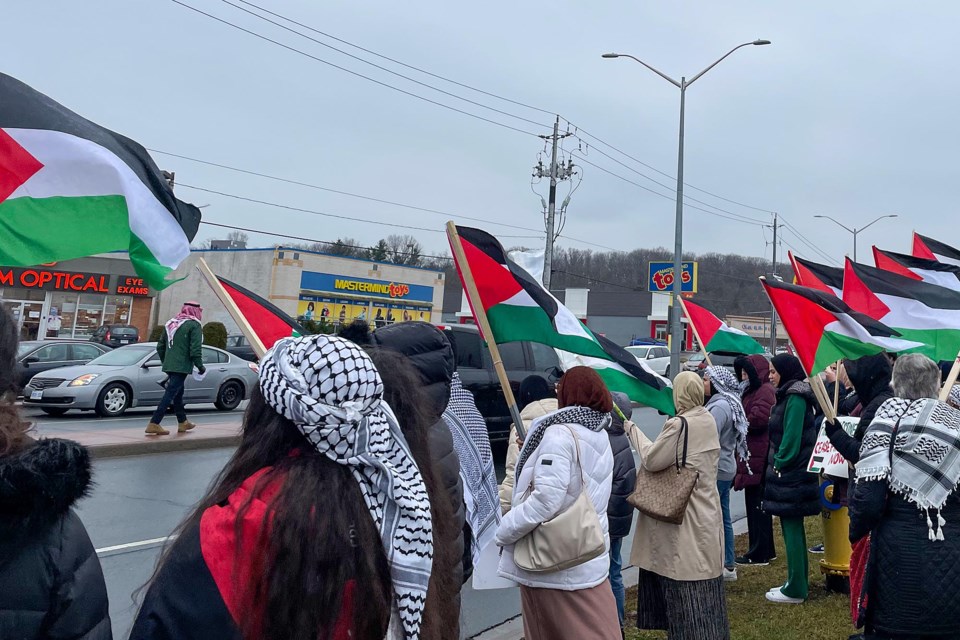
(130, 377)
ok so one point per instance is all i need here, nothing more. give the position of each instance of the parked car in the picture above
(722, 360)
(693, 362)
(641, 342)
(116, 335)
(37, 356)
(655, 357)
(130, 376)
(475, 366)
(240, 347)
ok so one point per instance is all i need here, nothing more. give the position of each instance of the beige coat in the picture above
(692, 550)
(531, 412)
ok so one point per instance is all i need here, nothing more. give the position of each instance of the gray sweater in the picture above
(723, 415)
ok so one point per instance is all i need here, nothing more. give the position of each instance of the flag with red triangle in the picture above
(267, 320)
(823, 329)
(817, 276)
(931, 271)
(921, 312)
(927, 247)
(716, 335)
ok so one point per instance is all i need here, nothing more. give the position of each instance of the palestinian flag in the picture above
(265, 318)
(817, 276)
(716, 335)
(823, 329)
(922, 269)
(519, 308)
(919, 311)
(70, 188)
(924, 247)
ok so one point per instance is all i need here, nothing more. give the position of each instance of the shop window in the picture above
(20, 293)
(117, 310)
(63, 312)
(89, 315)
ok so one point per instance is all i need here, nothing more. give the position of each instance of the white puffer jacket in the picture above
(553, 471)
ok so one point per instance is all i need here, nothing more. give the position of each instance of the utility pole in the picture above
(773, 310)
(556, 172)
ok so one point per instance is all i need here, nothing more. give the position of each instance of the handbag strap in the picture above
(685, 431)
(576, 444)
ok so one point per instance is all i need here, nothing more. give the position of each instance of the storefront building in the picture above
(73, 298)
(314, 287)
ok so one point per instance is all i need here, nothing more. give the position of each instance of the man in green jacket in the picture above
(180, 353)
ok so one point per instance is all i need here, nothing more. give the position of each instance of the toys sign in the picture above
(660, 278)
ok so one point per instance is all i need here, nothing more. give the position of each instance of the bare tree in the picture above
(404, 249)
(238, 239)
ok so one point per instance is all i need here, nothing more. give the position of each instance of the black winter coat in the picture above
(619, 511)
(792, 491)
(51, 584)
(870, 377)
(431, 354)
(913, 584)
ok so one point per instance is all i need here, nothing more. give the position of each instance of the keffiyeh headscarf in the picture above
(189, 311)
(725, 385)
(925, 466)
(329, 388)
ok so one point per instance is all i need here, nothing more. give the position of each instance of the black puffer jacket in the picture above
(51, 584)
(619, 511)
(430, 352)
(870, 377)
(791, 491)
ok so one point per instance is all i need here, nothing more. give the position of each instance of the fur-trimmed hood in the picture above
(38, 484)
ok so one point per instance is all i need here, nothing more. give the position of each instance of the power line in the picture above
(805, 241)
(399, 62)
(376, 66)
(321, 213)
(344, 69)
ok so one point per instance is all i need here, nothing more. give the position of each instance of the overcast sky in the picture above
(851, 113)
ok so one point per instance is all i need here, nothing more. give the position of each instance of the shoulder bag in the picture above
(663, 495)
(567, 540)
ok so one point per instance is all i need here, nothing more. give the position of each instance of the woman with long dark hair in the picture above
(51, 584)
(325, 524)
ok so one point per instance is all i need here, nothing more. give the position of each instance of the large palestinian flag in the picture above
(931, 271)
(925, 247)
(716, 335)
(823, 329)
(519, 308)
(919, 311)
(70, 188)
(817, 276)
(267, 320)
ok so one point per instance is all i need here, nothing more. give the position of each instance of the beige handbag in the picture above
(663, 495)
(570, 538)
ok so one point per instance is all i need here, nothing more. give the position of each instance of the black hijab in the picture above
(789, 368)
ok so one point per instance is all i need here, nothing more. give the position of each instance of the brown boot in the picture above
(153, 429)
(185, 426)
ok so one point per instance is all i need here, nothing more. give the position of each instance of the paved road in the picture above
(141, 499)
(77, 421)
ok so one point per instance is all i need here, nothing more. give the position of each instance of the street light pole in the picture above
(856, 231)
(676, 313)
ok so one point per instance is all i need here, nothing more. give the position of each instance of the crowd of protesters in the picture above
(362, 495)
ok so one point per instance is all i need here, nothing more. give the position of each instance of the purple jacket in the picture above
(758, 400)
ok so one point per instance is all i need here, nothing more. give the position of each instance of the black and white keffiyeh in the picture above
(472, 444)
(584, 416)
(925, 467)
(724, 383)
(331, 390)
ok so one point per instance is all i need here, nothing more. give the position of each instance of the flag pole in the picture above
(696, 334)
(951, 379)
(473, 297)
(232, 308)
(836, 387)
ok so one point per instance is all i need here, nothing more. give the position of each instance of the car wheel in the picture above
(113, 400)
(230, 396)
(53, 411)
(666, 372)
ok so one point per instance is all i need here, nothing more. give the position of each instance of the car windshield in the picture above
(122, 357)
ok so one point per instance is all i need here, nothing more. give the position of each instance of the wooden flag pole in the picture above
(232, 308)
(836, 387)
(473, 296)
(696, 334)
(951, 379)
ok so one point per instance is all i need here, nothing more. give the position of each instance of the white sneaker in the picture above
(729, 575)
(777, 596)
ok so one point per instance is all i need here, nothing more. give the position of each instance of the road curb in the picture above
(160, 444)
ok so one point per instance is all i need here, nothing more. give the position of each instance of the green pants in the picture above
(798, 565)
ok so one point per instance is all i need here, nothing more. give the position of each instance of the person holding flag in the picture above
(180, 353)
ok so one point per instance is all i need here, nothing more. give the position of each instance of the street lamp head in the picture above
(760, 42)
(610, 55)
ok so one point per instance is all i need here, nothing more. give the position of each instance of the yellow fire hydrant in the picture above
(835, 564)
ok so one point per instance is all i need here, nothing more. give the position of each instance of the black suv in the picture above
(475, 366)
(238, 346)
(116, 335)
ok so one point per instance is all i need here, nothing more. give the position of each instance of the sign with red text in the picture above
(825, 458)
(660, 278)
(53, 279)
(131, 286)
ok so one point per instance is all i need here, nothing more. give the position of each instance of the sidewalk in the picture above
(131, 441)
